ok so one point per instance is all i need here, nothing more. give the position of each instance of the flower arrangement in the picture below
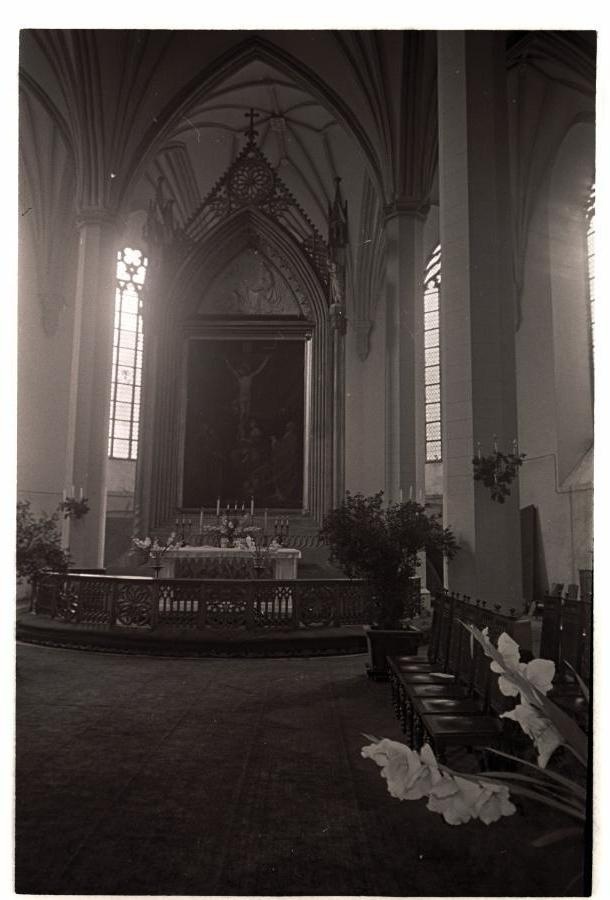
(497, 471)
(460, 797)
(155, 550)
(232, 527)
(73, 508)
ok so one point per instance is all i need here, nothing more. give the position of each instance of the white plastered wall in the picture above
(553, 365)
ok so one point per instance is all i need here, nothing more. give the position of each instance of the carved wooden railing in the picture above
(108, 601)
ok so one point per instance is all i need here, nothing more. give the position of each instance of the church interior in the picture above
(258, 270)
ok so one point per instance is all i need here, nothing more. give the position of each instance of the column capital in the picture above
(94, 215)
(410, 208)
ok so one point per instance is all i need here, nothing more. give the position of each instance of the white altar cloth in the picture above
(285, 559)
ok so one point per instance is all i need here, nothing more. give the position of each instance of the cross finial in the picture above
(250, 132)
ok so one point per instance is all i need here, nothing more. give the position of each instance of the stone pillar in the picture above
(405, 410)
(87, 446)
(477, 311)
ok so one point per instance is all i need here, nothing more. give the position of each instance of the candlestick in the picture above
(265, 520)
(252, 506)
(80, 494)
(218, 506)
(410, 492)
(243, 507)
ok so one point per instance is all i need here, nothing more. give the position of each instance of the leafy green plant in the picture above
(381, 545)
(38, 543)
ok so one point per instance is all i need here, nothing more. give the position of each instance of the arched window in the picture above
(127, 355)
(432, 284)
(591, 260)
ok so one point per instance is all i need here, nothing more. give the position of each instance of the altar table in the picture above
(191, 562)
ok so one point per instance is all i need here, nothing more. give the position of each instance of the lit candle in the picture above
(218, 506)
(252, 506)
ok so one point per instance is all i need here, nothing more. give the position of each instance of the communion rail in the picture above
(109, 601)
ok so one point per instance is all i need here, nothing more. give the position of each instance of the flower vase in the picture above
(156, 566)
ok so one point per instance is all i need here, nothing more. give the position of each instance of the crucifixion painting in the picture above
(244, 375)
(244, 422)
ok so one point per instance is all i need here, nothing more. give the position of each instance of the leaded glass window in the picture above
(432, 284)
(127, 354)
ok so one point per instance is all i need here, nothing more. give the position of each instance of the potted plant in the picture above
(38, 544)
(381, 544)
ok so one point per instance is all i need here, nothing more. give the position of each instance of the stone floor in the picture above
(139, 775)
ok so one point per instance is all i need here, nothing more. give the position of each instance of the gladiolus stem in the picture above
(572, 785)
(547, 801)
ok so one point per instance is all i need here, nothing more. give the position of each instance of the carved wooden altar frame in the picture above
(172, 321)
(245, 330)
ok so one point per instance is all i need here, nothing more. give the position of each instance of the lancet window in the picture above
(432, 284)
(127, 354)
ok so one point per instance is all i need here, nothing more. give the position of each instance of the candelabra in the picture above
(183, 528)
(281, 527)
(498, 470)
(73, 508)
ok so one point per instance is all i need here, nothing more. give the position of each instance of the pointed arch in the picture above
(252, 49)
(248, 228)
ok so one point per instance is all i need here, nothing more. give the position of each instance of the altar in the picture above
(230, 562)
